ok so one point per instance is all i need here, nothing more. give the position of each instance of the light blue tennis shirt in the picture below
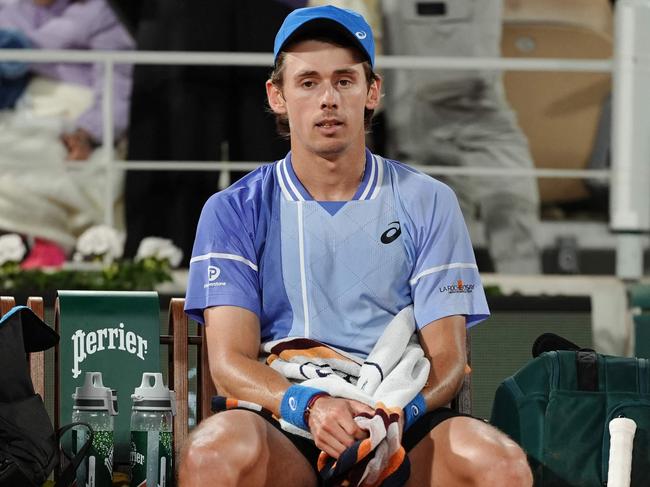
(336, 272)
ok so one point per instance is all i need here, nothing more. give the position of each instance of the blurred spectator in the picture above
(70, 24)
(58, 117)
(461, 118)
(195, 113)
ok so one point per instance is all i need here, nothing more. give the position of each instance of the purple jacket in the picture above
(88, 24)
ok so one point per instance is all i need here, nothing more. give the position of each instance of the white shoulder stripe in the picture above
(433, 270)
(216, 255)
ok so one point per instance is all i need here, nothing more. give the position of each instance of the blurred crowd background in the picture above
(50, 113)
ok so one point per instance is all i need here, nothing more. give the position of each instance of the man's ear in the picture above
(276, 98)
(374, 94)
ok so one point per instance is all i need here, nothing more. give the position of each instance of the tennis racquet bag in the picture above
(558, 408)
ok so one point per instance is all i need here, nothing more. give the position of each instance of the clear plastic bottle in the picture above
(151, 433)
(95, 405)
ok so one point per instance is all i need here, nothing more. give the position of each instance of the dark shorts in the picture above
(411, 438)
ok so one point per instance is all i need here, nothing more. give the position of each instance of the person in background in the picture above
(461, 118)
(61, 101)
(82, 24)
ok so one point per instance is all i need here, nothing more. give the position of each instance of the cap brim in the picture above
(312, 28)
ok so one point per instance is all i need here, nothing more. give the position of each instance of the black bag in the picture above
(29, 448)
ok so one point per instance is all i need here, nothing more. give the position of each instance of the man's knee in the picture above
(500, 462)
(227, 446)
(508, 466)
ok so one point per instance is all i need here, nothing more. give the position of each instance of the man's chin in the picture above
(330, 148)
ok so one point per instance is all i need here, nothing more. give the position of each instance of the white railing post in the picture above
(108, 144)
(630, 193)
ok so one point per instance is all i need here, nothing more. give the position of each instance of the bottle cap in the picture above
(114, 400)
(152, 395)
(94, 396)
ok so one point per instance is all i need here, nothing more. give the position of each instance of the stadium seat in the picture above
(558, 111)
(592, 14)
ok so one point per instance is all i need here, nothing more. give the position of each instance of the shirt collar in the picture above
(293, 189)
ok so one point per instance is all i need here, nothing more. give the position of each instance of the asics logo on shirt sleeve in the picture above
(392, 233)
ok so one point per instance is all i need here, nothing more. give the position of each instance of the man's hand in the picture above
(331, 422)
(79, 145)
(400, 422)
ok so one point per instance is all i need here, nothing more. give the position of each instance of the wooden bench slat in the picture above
(6, 303)
(37, 359)
(178, 327)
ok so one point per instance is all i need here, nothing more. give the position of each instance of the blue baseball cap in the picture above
(349, 22)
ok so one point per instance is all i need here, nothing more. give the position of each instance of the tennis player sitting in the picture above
(336, 288)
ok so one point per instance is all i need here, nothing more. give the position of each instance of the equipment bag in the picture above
(29, 447)
(558, 408)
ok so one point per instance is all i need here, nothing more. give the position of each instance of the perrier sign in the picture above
(115, 333)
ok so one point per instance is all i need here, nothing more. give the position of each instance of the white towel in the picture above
(392, 374)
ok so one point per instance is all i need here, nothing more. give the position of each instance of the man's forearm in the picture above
(233, 337)
(444, 344)
(445, 380)
(240, 377)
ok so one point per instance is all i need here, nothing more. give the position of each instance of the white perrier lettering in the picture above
(136, 457)
(89, 343)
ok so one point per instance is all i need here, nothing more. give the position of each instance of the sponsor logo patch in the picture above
(213, 274)
(458, 287)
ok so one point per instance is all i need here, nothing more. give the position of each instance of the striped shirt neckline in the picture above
(293, 190)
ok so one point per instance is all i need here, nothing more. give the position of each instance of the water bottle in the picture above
(152, 454)
(95, 404)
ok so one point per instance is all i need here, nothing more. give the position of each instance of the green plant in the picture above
(98, 265)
